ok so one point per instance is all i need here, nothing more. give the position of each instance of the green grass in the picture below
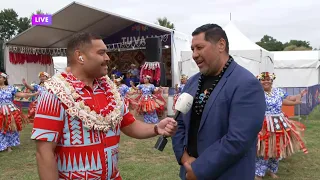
(140, 161)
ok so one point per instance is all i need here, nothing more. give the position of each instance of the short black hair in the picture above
(78, 40)
(212, 33)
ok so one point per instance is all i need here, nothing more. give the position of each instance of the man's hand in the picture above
(186, 158)
(167, 127)
(189, 172)
(24, 82)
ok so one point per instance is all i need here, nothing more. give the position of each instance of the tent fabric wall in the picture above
(60, 64)
(297, 68)
(29, 71)
(189, 67)
(180, 42)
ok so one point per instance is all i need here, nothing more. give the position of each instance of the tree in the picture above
(269, 43)
(23, 24)
(8, 24)
(298, 43)
(165, 23)
(11, 24)
(296, 48)
(39, 11)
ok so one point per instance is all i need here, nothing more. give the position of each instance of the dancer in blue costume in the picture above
(148, 103)
(12, 119)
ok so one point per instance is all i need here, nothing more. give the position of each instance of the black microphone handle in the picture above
(162, 140)
(176, 115)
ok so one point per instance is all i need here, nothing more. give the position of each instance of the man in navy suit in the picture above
(217, 138)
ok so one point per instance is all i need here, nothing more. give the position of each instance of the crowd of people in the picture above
(235, 129)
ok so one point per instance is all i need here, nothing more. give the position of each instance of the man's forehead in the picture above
(198, 39)
(98, 45)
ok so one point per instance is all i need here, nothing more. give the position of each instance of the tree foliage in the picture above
(271, 44)
(11, 24)
(8, 24)
(165, 23)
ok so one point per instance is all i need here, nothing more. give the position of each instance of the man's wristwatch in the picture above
(156, 129)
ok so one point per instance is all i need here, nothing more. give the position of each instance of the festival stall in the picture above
(124, 37)
(32, 50)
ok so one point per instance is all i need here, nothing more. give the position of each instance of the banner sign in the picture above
(313, 97)
(136, 34)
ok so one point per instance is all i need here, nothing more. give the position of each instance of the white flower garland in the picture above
(68, 96)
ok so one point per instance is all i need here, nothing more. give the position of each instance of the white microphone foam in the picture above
(184, 103)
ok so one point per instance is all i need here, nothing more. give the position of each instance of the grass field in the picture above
(139, 161)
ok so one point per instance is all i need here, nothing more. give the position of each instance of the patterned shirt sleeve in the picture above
(14, 90)
(35, 87)
(283, 94)
(128, 118)
(48, 121)
(152, 88)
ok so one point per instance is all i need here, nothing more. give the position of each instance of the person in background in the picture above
(134, 71)
(217, 138)
(116, 72)
(148, 104)
(43, 76)
(123, 89)
(179, 89)
(128, 79)
(80, 115)
(279, 136)
(12, 119)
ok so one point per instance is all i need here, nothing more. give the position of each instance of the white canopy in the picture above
(240, 45)
(297, 68)
(76, 18)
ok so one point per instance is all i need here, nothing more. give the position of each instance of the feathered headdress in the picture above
(44, 74)
(3, 75)
(148, 77)
(264, 75)
(183, 76)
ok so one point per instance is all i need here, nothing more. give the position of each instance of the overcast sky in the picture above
(282, 19)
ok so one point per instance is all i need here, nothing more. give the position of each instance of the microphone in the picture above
(183, 105)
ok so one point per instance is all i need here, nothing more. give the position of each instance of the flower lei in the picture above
(108, 118)
(263, 75)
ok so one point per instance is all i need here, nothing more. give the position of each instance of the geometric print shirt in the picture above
(81, 153)
(274, 101)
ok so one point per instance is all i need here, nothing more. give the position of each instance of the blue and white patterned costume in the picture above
(10, 118)
(279, 137)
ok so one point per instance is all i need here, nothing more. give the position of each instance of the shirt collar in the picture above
(76, 83)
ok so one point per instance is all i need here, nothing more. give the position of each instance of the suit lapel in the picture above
(215, 93)
(192, 91)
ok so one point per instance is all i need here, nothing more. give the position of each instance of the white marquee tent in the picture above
(297, 68)
(245, 52)
(74, 18)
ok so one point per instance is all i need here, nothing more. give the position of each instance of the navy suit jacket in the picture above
(230, 123)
